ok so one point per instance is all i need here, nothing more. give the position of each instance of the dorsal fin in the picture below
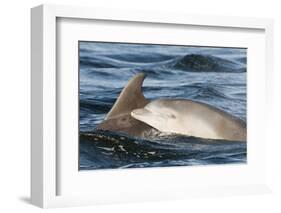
(130, 98)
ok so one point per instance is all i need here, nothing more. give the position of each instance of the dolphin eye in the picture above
(168, 114)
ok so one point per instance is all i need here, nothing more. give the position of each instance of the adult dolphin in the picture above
(119, 117)
(136, 116)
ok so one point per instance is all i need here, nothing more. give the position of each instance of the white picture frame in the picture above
(45, 168)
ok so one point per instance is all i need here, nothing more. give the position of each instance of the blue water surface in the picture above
(216, 76)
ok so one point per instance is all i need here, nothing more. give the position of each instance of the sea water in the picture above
(212, 75)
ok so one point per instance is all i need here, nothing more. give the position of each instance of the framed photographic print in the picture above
(130, 106)
(191, 111)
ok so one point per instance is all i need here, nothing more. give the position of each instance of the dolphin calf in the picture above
(136, 116)
(191, 118)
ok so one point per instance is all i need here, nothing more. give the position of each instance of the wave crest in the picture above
(207, 63)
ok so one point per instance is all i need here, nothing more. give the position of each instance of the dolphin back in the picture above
(191, 118)
(119, 117)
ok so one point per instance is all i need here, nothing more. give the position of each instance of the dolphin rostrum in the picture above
(136, 116)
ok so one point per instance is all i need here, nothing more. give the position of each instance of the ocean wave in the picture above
(164, 63)
(207, 63)
(215, 76)
(95, 106)
(205, 92)
(123, 151)
(91, 62)
(141, 58)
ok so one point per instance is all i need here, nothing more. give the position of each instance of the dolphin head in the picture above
(156, 114)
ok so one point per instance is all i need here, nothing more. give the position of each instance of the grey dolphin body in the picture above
(191, 118)
(136, 116)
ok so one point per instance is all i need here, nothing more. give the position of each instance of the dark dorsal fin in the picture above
(130, 98)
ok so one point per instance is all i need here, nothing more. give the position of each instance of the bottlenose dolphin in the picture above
(191, 118)
(119, 117)
(136, 116)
